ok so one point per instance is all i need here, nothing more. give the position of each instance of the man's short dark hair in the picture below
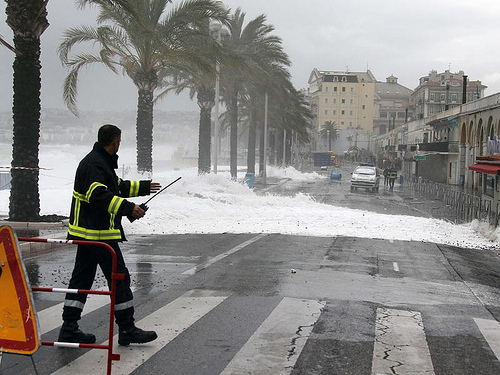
(107, 134)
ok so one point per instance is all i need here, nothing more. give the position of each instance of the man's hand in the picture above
(138, 212)
(155, 187)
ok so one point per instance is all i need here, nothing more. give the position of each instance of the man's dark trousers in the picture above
(87, 259)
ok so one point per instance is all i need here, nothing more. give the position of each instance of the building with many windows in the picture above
(345, 98)
(438, 92)
(391, 105)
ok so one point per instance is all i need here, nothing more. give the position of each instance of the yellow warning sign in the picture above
(18, 320)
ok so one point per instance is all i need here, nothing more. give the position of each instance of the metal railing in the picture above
(459, 205)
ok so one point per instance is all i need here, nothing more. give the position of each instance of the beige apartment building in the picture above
(345, 98)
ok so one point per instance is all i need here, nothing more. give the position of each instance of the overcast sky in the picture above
(400, 37)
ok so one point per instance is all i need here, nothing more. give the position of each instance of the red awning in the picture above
(485, 168)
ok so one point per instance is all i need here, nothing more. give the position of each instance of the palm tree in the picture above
(247, 43)
(28, 20)
(269, 75)
(329, 131)
(149, 44)
(201, 82)
(290, 112)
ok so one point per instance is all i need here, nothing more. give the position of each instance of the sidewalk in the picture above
(57, 230)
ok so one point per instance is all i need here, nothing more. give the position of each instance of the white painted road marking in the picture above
(396, 267)
(51, 318)
(211, 261)
(491, 332)
(277, 343)
(169, 321)
(400, 344)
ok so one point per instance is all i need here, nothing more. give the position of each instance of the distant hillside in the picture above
(60, 126)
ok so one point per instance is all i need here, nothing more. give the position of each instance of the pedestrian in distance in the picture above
(393, 174)
(386, 175)
(97, 207)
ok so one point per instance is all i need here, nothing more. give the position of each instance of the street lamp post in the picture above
(216, 28)
(264, 174)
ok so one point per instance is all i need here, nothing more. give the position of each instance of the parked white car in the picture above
(365, 176)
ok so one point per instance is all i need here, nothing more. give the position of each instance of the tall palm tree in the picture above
(289, 112)
(248, 43)
(271, 81)
(269, 75)
(149, 43)
(329, 131)
(28, 20)
(201, 83)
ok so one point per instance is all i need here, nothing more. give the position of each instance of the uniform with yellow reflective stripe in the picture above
(97, 207)
(98, 202)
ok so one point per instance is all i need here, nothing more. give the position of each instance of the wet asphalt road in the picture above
(376, 306)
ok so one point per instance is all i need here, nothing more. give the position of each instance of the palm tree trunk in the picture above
(261, 151)
(24, 194)
(233, 120)
(144, 128)
(279, 147)
(252, 141)
(206, 101)
(272, 148)
(28, 20)
(288, 149)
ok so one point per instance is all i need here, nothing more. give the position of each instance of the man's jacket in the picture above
(98, 202)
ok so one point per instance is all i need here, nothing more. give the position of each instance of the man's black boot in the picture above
(71, 333)
(134, 335)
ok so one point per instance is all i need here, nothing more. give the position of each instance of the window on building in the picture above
(334, 112)
(363, 106)
(453, 97)
(335, 89)
(351, 101)
(344, 79)
(383, 114)
(352, 89)
(432, 97)
(334, 101)
(350, 113)
(326, 111)
(343, 101)
(350, 123)
(326, 100)
(343, 89)
(326, 88)
(401, 115)
(342, 112)
(442, 97)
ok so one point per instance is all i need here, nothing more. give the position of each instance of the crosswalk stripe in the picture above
(277, 343)
(211, 261)
(400, 343)
(168, 322)
(491, 332)
(51, 318)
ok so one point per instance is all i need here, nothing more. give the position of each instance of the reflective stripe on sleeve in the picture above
(115, 204)
(134, 188)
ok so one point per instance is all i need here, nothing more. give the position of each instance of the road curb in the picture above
(57, 230)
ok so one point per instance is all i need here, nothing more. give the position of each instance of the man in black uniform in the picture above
(97, 207)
